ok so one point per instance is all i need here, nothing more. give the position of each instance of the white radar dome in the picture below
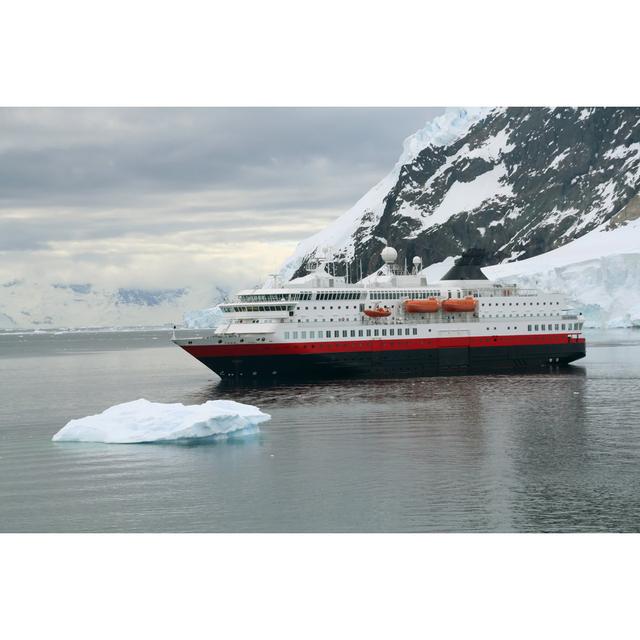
(417, 261)
(389, 255)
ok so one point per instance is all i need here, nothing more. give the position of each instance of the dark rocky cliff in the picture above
(517, 183)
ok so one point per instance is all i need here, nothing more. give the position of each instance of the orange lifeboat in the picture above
(377, 312)
(465, 304)
(421, 306)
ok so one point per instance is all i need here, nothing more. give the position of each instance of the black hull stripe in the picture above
(383, 364)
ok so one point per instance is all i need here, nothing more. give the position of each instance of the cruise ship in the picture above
(390, 323)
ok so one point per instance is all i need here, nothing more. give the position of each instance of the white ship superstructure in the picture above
(389, 322)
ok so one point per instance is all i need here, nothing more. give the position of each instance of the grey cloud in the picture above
(247, 173)
(161, 150)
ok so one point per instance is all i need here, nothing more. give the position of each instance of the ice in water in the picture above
(144, 421)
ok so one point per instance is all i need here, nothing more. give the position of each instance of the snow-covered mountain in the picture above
(33, 305)
(517, 182)
(514, 181)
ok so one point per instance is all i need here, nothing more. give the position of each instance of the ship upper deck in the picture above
(321, 298)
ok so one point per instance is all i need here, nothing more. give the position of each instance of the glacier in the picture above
(599, 272)
(142, 421)
(208, 318)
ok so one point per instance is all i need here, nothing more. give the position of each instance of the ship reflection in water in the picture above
(552, 451)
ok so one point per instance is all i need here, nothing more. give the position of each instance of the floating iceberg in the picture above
(144, 421)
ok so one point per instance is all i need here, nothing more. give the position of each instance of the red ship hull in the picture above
(388, 357)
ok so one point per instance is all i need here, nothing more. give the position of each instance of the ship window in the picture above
(376, 332)
(303, 335)
(336, 334)
(328, 334)
(353, 333)
(368, 332)
(344, 334)
(556, 327)
(360, 332)
(415, 332)
(295, 335)
(384, 332)
(535, 327)
(312, 334)
(563, 327)
(286, 335)
(391, 332)
(543, 327)
(406, 332)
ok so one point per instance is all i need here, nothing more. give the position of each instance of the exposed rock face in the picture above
(515, 182)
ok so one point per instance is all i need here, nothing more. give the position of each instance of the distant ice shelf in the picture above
(143, 421)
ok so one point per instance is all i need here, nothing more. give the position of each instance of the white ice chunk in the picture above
(144, 421)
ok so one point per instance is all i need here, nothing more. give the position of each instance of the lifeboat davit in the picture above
(431, 305)
(378, 312)
(457, 305)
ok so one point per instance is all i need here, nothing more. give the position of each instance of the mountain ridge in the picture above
(41, 305)
(516, 182)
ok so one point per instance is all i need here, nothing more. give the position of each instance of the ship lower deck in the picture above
(388, 358)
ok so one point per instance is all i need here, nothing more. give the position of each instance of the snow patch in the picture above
(557, 161)
(435, 271)
(143, 421)
(467, 196)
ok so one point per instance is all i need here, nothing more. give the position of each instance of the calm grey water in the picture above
(542, 452)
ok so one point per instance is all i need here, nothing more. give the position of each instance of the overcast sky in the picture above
(163, 197)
